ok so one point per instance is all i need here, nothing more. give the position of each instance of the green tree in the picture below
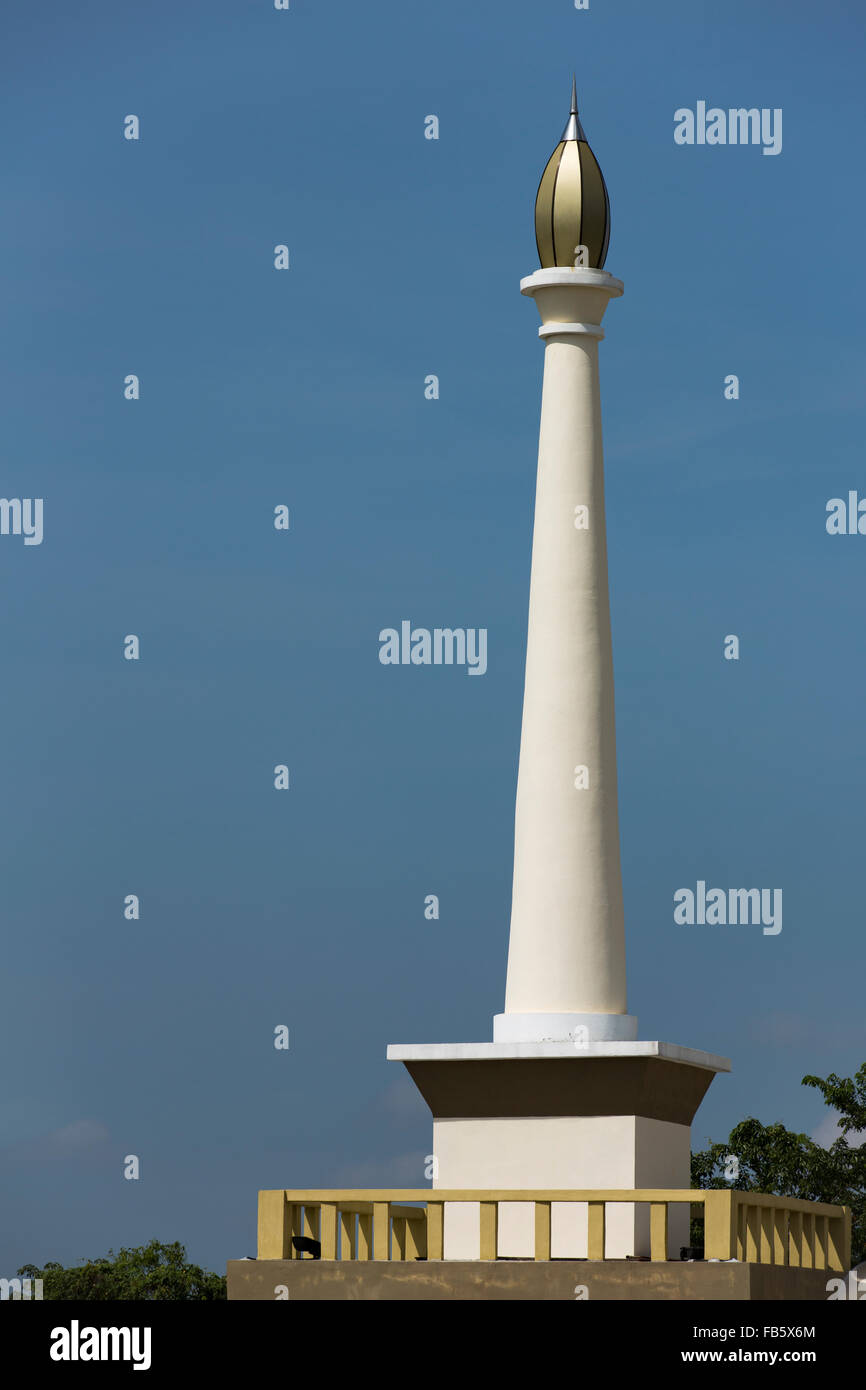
(777, 1161)
(153, 1271)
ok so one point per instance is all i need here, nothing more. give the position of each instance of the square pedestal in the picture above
(543, 1116)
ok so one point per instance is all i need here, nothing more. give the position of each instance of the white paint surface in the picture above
(456, 1052)
(567, 942)
(565, 1153)
(563, 1027)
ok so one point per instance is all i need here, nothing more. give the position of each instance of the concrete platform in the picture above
(618, 1280)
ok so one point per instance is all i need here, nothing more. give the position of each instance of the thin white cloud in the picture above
(790, 1029)
(828, 1130)
(402, 1101)
(404, 1170)
(81, 1134)
(79, 1137)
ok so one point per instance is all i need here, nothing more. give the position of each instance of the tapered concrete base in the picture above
(544, 1115)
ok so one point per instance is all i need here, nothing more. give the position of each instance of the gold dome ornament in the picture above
(572, 207)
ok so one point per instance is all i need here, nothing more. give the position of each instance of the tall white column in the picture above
(565, 1096)
(566, 959)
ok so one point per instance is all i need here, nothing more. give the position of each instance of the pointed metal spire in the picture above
(573, 129)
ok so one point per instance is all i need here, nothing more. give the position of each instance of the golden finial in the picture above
(572, 208)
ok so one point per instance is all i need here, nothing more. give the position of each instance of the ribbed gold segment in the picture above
(571, 206)
(544, 209)
(603, 257)
(567, 205)
(596, 221)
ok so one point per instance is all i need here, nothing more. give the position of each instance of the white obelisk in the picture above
(566, 960)
(565, 1097)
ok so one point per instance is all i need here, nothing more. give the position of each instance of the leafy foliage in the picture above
(153, 1271)
(777, 1161)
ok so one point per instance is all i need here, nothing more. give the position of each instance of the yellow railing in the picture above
(368, 1224)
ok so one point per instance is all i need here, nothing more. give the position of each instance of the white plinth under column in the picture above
(544, 1116)
(562, 1152)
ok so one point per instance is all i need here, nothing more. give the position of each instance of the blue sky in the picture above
(306, 387)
